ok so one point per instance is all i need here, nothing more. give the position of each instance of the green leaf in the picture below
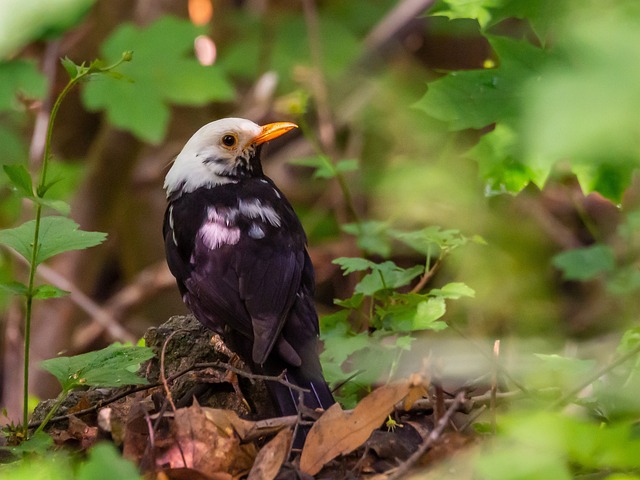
(109, 367)
(49, 291)
(18, 77)
(412, 312)
(352, 302)
(347, 165)
(387, 276)
(585, 263)
(479, 10)
(559, 372)
(502, 165)
(106, 463)
(17, 288)
(453, 291)
(353, 264)
(164, 72)
(20, 178)
(339, 343)
(59, 206)
(629, 340)
(57, 235)
(609, 179)
(372, 236)
(478, 98)
(559, 125)
(430, 240)
(37, 444)
(70, 66)
(428, 313)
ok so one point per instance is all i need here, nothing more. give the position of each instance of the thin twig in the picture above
(163, 377)
(431, 439)
(472, 418)
(494, 385)
(254, 376)
(196, 366)
(427, 276)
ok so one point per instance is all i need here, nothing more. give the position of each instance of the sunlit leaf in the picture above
(479, 10)
(49, 291)
(385, 276)
(502, 165)
(353, 264)
(57, 235)
(453, 290)
(430, 240)
(109, 367)
(477, 98)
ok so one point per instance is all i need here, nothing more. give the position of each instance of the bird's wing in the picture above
(269, 282)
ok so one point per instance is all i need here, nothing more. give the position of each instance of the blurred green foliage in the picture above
(164, 73)
(22, 21)
(104, 461)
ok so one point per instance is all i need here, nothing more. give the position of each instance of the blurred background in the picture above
(353, 74)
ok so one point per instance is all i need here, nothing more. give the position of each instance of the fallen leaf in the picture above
(338, 432)
(76, 431)
(271, 457)
(228, 420)
(206, 442)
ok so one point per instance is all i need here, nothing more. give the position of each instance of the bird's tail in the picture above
(287, 399)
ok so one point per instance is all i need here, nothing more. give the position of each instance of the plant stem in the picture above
(59, 399)
(81, 73)
(33, 264)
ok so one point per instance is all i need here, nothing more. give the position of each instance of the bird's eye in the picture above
(229, 140)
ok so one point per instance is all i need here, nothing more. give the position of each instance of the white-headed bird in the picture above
(238, 252)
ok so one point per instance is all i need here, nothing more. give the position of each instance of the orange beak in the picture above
(271, 131)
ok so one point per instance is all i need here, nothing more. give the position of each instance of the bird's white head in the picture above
(221, 152)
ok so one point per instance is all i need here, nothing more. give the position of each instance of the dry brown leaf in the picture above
(338, 432)
(418, 384)
(205, 443)
(228, 420)
(76, 432)
(416, 392)
(271, 457)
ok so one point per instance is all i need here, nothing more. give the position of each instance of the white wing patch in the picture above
(255, 209)
(256, 232)
(219, 229)
(173, 232)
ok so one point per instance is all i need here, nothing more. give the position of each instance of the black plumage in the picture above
(238, 252)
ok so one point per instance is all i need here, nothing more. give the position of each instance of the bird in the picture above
(239, 254)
